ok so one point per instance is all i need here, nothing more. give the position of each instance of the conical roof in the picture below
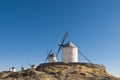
(52, 55)
(69, 44)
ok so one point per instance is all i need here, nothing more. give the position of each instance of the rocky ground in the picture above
(60, 71)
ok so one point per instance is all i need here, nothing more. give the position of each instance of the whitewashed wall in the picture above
(52, 59)
(69, 54)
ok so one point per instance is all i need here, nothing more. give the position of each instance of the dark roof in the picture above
(52, 55)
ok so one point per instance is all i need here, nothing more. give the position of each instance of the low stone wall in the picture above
(91, 65)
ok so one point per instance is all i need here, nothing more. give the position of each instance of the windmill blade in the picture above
(47, 52)
(48, 55)
(50, 51)
(84, 56)
(65, 36)
(46, 59)
(58, 50)
(30, 64)
(22, 67)
(62, 42)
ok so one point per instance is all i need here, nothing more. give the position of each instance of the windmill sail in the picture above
(84, 56)
(62, 43)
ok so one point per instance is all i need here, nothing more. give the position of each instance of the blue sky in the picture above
(28, 28)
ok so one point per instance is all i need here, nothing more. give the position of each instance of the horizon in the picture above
(28, 29)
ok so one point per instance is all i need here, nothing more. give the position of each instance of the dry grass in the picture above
(59, 71)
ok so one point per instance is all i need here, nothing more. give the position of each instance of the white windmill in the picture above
(12, 69)
(69, 51)
(22, 68)
(32, 66)
(51, 57)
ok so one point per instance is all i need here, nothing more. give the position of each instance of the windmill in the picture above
(12, 69)
(32, 66)
(22, 68)
(50, 57)
(69, 51)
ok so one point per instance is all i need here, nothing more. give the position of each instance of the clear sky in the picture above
(28, 28)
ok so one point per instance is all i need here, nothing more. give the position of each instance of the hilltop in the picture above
(60, 71)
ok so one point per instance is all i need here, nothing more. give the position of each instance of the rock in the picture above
(61, 71)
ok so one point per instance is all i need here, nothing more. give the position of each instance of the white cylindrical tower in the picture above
(52, 58)
(69, 53)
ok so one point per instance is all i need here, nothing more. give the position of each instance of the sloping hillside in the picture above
(61, 71)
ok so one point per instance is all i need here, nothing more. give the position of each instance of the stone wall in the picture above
(91, 65)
